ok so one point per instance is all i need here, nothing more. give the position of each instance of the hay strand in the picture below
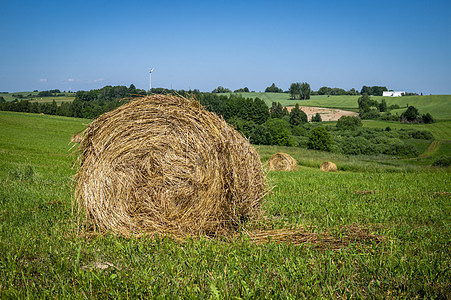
(163, 164)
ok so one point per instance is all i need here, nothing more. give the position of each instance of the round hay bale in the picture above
(282, 162)
(328, 166)
(164, 164)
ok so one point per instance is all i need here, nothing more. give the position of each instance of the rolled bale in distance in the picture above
(163, 164)
(282, 162)
(328, 166)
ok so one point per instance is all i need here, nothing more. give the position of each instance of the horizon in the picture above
(402, 45)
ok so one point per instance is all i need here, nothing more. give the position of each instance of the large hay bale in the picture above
(328, 166)
(163, 164)
(282, 162)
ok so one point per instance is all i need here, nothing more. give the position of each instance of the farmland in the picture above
(380, 227)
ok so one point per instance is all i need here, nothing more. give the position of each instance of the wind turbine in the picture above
(150, 80)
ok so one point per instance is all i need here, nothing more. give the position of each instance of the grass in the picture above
(439, 106)
(69, 97)
(43, 255)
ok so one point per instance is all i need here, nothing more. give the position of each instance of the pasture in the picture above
(378, 228)
(439, 106)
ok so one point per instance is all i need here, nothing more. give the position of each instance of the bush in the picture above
(442, 161)
(401, 149)
(349, 123)
(427, 118)
(319, 139)
(317, 118)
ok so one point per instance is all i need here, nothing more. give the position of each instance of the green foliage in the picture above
(242, 90)
(221, 89)
(277, 111)
(273, 89)
(427, 118)
(295, 90)
(320, 139)
(305, 91)
(336, 91)
(442, 161)
(411, 114)
(297, 116)
(349, 123)
(280, 131)
(373, 90)
(316, 118)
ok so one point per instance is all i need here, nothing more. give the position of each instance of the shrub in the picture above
(442, 161)
(320, 139)
(349, 123)
(427, 118)
(317, 118)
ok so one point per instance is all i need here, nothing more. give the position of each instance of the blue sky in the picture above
(82, 45)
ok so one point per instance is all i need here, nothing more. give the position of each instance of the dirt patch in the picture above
(327, 114)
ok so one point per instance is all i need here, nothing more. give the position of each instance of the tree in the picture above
(305, 91)
(221, 89)
(276, 110)
(273, 89)
(427, 118)
(242, 90)
(319, 139)
(297, 116)
(411, 114)
(317, 118)
(349, 123)
(295, 90)
(383, 106)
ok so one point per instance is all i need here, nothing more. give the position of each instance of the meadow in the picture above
(33, 97)
(378, 228)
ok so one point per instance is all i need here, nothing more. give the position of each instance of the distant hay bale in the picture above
(163, 164)
(76, 139)
(328, 166)
(282, 162)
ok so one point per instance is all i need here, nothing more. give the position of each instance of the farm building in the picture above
(393, 93)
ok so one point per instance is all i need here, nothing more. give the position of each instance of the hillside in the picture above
(439, 106)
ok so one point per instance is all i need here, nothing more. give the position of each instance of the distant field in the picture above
(439, 106)
(35, 98)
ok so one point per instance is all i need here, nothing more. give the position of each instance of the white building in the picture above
(393, 93)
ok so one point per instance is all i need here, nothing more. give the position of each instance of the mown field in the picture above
(68, 97)
(376, 229)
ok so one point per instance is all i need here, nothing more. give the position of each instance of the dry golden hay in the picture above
(163, 164)
(328, 166)
(76, 139)
(282, 162)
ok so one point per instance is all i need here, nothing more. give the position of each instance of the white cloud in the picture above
(43, 80)
(99, 80)
(70, 80)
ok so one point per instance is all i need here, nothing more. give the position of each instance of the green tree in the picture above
(276, 110)
(319, 139)
(280, 131)
(411, 114)
(297, 116)
(349, 123)
(221, 89)
(305, 91)
(273, 89)
(295, 90)
(317, 118)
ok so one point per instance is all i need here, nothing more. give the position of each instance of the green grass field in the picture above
(35, 98)
(439, 106)
(378, 228)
